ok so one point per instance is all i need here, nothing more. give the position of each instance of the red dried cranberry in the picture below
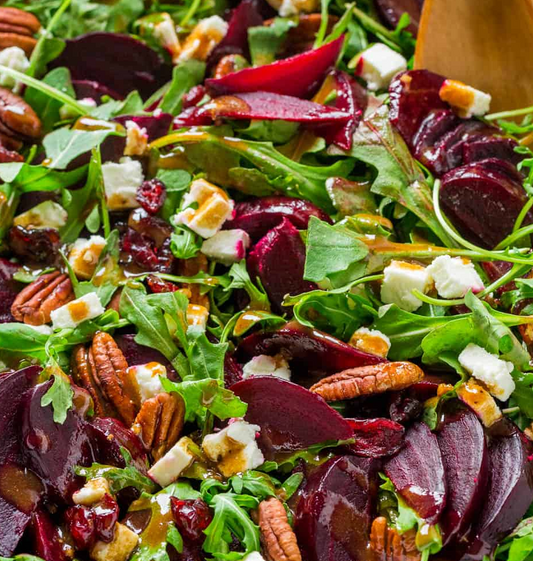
(140, 248)
(106, 517)
(152, 226)
(81, 525)
(193, 96)
(404, 409)
(192, 517)
(158, 285)
(151, 195)
(37, 245)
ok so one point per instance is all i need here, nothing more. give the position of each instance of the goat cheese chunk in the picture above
(227, 246)
(47, 214)
(121, 182)
(234, 448)
(203, 39)
(468, 101)
(197, 316)
(371, 341)
(147, 378)
(489, 369)
(254, 556)
(173, 463)
(119, 549)
(264, 365)
(165, 34)
(84, 255)
(136, 140)
(72, 314)
(92, 492)
(378, 64)
(16, 59)
(454, 276)
(400, 280)
(206, 208)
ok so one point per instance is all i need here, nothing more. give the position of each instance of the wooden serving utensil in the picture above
(487, 44)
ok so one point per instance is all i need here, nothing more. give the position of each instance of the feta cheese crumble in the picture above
(400, 280)
(197, 316)
(378, 64)
(72, 314)
(227, 246)
(454, 276)
(119, 549)
(92, 492)
(264, 365)
(136, 140)
(47, 214)
(121, 182)
(173, 463)
(16, 59)
(489, 369)
(203, 39)
(147, 378)
(467, 100)
(370, 341)
(84, 255)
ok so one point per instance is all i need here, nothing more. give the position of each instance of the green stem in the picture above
(525, 209)
(45, 89)
(515, 236)
(509, 114)
(190, 13)
(375, 27)
(323, 24)
(436, 301)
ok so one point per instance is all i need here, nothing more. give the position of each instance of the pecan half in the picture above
(159, 423)
(386, 544)
(367, 380)
(277, 536)
(34, 304)
(189, 268)
(102, 370)
(17, 28)
(18, 121)
(228, 64)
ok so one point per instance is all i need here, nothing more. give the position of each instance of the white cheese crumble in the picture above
(378, 64)
(454, 276)
(72, 314)
(227, 246)
(121, 182)
(173, 463)
(400, 280)
(264, 365)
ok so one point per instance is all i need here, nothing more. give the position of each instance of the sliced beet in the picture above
(391, 11)
(52, 450)
(14, 523)
(375, 438)
(466, 465)
(481, 202)
(139, 354)
(291, 417)
(417, 473)
(259, 216)
(297, 76)
(232, 371)
(509, 494)
(335, 511)
(432, 129)
(413, 94)
(47, 539)
(117, 61)
(307, 349)
(93, 90)
(278, 261)
(484, 147)
(8, 289)
(156, 126)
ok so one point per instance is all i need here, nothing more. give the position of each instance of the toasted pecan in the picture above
(159, 423)
(34, 304)
(279, 539)
(17, 28)
(368, 380)
(386, 544)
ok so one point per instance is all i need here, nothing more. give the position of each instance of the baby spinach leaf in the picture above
(184, 77)
(21, 338)
(27, 178)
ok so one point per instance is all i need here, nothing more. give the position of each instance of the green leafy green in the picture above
(132, 105)
(241, 279)
(265, 41)
(184, 243)
(27, 178)
(184, 77)
(60, 393)
(278, 132)
(518, 546)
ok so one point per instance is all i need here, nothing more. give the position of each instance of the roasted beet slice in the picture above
(47, 539)
(335, 511)
(307, 349)
(484, 147)
(413, 94)
(14, 523)
(118, 62)
(509, 494)
(278, 260)
(155, 125)
(52, 450)
(290, 417)
(375, 438)
(297, 76)
(466, 465)
(391, 11)
(232, 371)
(417, 473)
(93, 90)
(482, 203)
(433, 128)
(259, 216)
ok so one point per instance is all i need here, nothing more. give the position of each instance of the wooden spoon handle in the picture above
(485, 43)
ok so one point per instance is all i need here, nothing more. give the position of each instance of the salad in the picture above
(266, 291)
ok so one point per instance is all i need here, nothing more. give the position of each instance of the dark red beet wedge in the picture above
(297, 76)
(392, 10)
(278, 260)
(413, 94)
(14, 523)
(307, 349)
(509, 494)
(259, 216)
(482, 203)
(47, 540)
(155, 125)
(232, 371)
(466, 465)
(336, 508)
(484, 147)
(418, 473)
(117, 61)
(290, 417)
(376, 438)
(93, 90)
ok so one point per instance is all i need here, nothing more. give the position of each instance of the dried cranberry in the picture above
(193, 96)
(403, 408)
(158, 285)
(152, 226)
(192, 517)
(81, 525)
(106, 517)
(141, 249)
(37, 245)
(151, 195)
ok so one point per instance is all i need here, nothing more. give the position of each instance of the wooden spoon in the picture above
(487, 44)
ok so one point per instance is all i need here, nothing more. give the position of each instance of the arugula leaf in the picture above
(60, 393)
(206, 358)
(27, 178)
(184, 77)
(334, 253)
(265, 41)
(241, 279)
(184, 243)
(519, 544)
(21, 338)
(398, 176)
(278, 132)
(132, 105)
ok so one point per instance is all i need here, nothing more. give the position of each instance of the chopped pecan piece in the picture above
(189, 268)
(278, 538)
(102, 370)
(17, 28)
(229, 64)
(159, 423)
(34, 304)
(18, 121)
(386, 544)
(368, 380)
